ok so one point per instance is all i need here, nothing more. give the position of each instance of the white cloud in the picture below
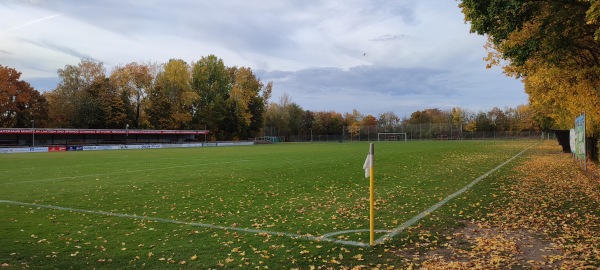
(371, 55)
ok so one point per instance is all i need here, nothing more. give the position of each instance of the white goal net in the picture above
(391, 137)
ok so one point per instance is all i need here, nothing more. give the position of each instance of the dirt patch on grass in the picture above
(479, 245)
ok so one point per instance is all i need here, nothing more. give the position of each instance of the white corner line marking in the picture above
(421, 215)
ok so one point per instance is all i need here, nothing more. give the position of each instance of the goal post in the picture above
(391, 136)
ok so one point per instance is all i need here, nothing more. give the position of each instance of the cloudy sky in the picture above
(369, 55)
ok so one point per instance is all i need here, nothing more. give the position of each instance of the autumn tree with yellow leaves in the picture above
(553, 46)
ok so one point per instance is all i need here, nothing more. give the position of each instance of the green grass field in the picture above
(232, 207)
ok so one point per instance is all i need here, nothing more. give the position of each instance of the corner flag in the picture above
(370, 173)
(367, 166)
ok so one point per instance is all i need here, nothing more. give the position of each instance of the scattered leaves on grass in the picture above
(315, 195)
(550, 221)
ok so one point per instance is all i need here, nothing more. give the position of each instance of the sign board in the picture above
(57, 148)
(112, 147)
(580, 137)
(24, 150)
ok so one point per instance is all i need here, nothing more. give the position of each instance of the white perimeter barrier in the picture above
(24, 150)
(118, 147)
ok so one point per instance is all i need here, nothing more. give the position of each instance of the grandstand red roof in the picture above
(96, 131)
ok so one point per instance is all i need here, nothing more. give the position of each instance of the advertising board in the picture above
(580, 137)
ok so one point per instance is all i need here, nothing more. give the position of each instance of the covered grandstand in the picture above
(15, 137)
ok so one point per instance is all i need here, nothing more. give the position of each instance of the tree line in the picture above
(231, 102)
(287, 118)
(228, 101)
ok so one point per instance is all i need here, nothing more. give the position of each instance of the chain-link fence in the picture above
(413, 132)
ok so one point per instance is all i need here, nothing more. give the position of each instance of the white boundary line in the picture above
(325, 237)
(421, 215)
(204, 225)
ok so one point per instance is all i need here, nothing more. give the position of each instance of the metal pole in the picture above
(584, 142)
(32, 133)
(372, 194)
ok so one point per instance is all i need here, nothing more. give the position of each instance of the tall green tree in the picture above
(100, 107)
(211, 82)
(483, 122)
(258, 108)
(308, 120)
(71, 97)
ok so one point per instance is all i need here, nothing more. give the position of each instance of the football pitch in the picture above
(280, 206)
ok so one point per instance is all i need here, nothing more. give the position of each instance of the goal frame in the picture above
(392, 133)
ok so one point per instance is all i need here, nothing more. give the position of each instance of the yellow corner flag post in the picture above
(370, 172)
